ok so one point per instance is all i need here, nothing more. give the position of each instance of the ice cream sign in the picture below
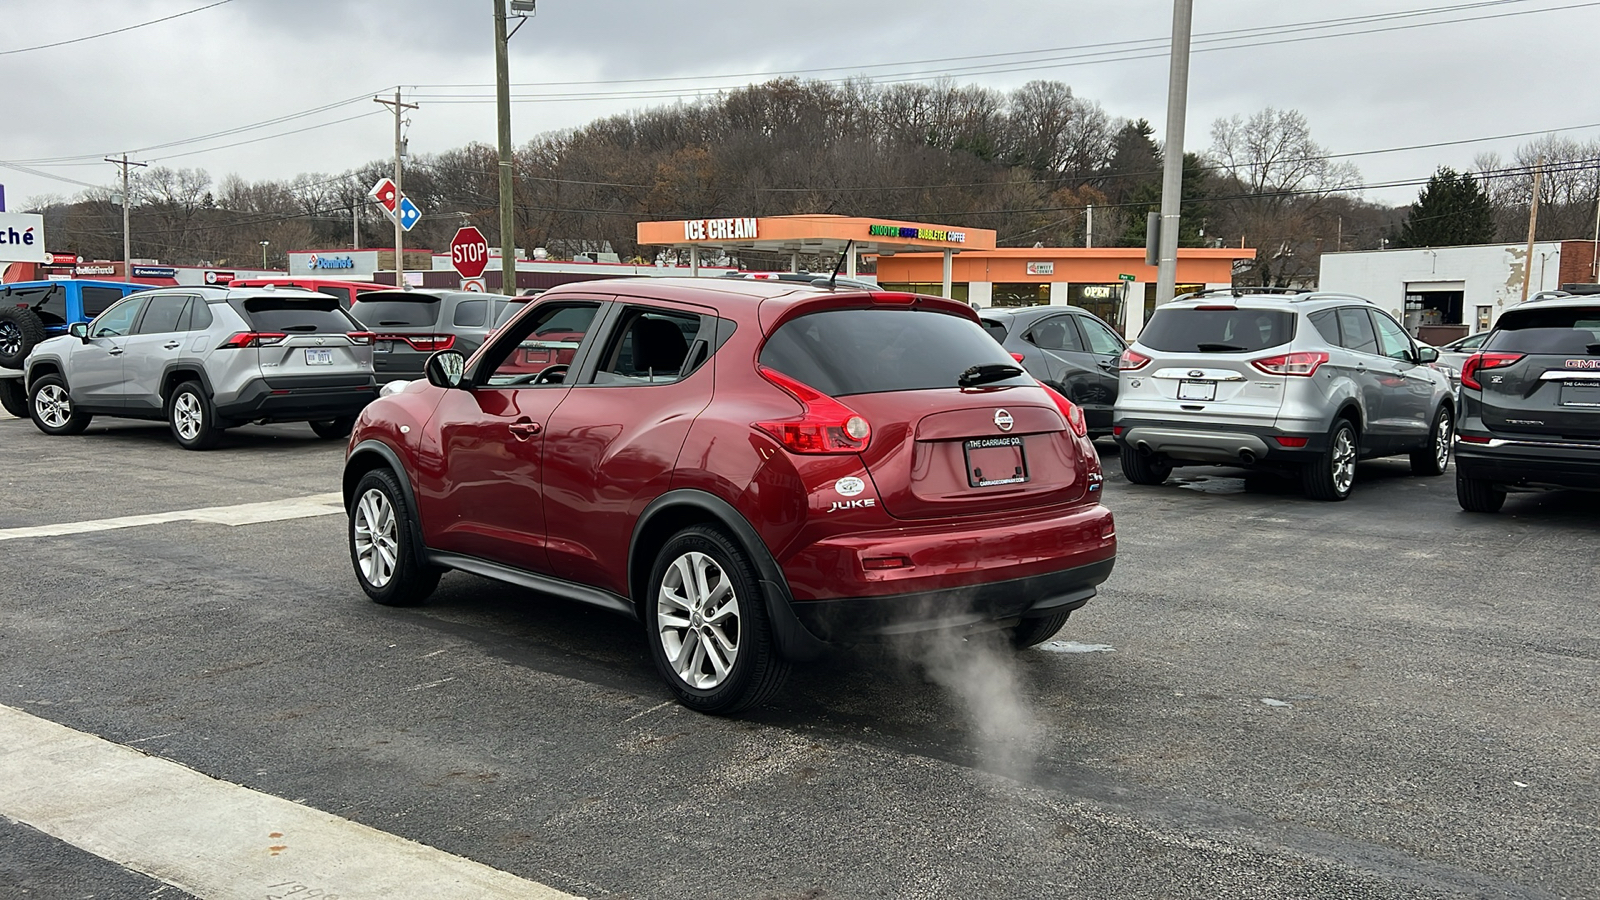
(22, 238)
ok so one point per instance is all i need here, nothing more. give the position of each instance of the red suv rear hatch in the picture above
(936, 449)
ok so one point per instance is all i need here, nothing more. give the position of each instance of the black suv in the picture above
(1530, 404)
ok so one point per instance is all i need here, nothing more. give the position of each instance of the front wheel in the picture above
(1431, 459)
(13, 399)
(707, 625)
(51, 408)
(334, 429)
(1141, 469)
(1331, 476)
(387, 561)
(1478, 495)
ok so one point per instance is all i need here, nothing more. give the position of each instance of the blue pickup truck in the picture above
(31, 311)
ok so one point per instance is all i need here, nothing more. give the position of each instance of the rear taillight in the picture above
(1018, 357)
(1480, 361)
(1302, 364)
(1132, 360)
(1070, 411)
(427, 343)
(360, 337)
(1293, 443)
(824, 425)
(242, 339)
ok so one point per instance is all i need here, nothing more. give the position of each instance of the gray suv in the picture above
(1303, 382)
(410, 325)
(207, 359)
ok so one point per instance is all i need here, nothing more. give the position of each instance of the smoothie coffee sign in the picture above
(920, 234)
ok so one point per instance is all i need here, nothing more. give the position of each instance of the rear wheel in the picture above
(20, 329)
(1032, 632)
(333, 429)
(192, 417)
(1432, 459)
(1332, 476)
(1142, 469)
(51, 408)
(387, 562)
(1478, 495)
(707, 625)
(13, 399)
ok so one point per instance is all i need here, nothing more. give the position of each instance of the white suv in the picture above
(1300, 381)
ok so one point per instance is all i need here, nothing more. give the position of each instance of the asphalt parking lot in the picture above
(1272, 697)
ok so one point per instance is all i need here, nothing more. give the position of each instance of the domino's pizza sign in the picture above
(331, 262)
(22, 238)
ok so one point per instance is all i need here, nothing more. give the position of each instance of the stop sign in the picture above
(469, 252)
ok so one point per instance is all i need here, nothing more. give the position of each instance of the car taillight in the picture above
(427, 343)
(1018, 357)
(1302, 364)
(1294, 443)
(360, 337)
(1480, 361)
(824, 425)
(1473, 439)
(1070, 411)
(242, 339)
(1132, 360)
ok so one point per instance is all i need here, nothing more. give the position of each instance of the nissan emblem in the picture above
(1003, 420)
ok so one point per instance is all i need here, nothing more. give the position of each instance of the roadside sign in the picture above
(387, 195)
(1126, 277)
(410, 215)
(469, 252)
(476, 285)
(22, 238)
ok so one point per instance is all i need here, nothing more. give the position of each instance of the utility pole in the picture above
(502, 77)
(1533, 225)
(1088, 225)
(1172, 180)
(399, 186)
(127, 240)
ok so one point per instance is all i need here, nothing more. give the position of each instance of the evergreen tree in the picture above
(1146, 198)
(1451, 210)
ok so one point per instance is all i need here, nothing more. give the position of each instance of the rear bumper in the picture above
(1231, 444)
(299, 399)
(1527, 463)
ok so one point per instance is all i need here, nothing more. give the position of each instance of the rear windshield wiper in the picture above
(987, 374)
(1210, 347)
(300, 328)
(391, 322)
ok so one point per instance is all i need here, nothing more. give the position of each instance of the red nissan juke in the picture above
(755, 470)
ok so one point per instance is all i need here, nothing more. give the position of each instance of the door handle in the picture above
(173, 345)
(525, 430)
(115, 351)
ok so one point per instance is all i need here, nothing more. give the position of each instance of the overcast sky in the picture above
(244, 62)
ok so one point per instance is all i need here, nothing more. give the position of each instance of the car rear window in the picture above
(394, 312)
(997, 330)
(1191, 330)
(868, 351)
(1569, 331)
(309, 314)
(511, 308)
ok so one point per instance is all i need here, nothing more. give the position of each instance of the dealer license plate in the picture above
(996, 460)
(1197, 390)
(319, 356)
(1580, 393)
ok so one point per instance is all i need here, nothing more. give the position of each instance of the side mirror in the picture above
(1426, 355)
(446, 368)
(79, 330)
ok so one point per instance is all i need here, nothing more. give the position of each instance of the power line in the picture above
(90, 37)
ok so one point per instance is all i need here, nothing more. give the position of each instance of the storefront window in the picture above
(1104, 300)
(1021, 294)
(958, 289)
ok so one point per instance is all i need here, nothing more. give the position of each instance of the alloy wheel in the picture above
(1444, 434)
(1344, 461)
(187, 415)
(53, 405)
(697, 620)
(10, 339)
(377, 538)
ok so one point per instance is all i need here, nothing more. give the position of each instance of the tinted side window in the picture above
(1355, 327)
(97, 300)
(162, 312)
(470, 313)
(118, 320)
(1327, 325)
(341, 294)
(1056, 333)
(997, 330)
(1392, 338)
(649, 346)
(49, 301)
(199, 316)
(1102, 340)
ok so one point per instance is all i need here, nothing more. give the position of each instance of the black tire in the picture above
(756, 670)
(1033, 632)
(1478, 495)
(192, 417)
(20, 329)
(1432, 459)
(1333, 475)
(13, 399)
(373, 542)
(1141, 469)
(50, 406)
(334, 429)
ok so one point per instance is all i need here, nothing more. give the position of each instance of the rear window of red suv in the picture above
(872, 351)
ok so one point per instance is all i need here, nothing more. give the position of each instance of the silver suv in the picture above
(207, 359)
(411, 325)
(1306, 382)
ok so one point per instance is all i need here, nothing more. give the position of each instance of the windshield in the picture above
(1191, 330)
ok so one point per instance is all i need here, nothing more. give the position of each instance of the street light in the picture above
(264, 253)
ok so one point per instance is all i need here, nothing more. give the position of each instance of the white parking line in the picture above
(216, 840)
(241, 514)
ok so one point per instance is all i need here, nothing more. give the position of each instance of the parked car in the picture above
(1453, 356)
(755, 470)
(1530, 404)
(409, 325)
(346, 292)
(34, 311)
(205, 360)
(1067, 348)
(1302, 382)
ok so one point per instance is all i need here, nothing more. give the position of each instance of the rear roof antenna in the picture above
(839, 265)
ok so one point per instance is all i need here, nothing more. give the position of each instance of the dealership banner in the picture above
(22, 238)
